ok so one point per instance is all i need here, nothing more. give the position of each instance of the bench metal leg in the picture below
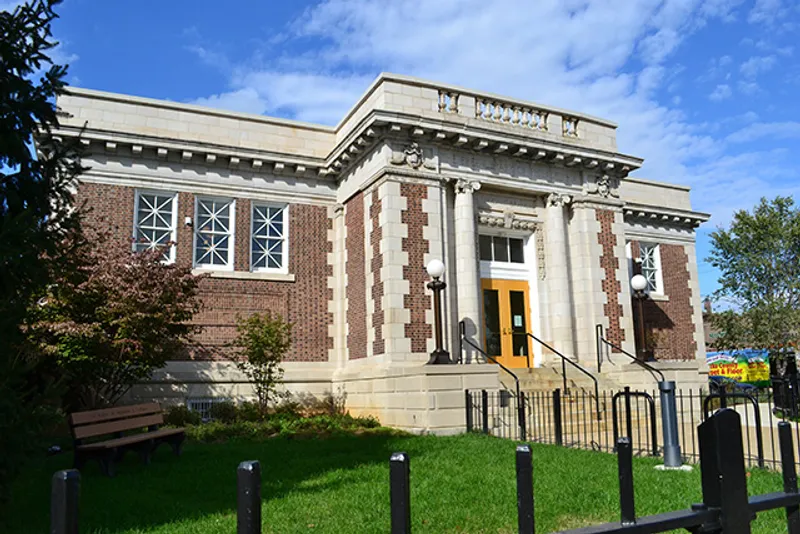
(79, 459)
(107, 461)
(176, 442)
(146, 451)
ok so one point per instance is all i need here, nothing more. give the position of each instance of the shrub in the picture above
(261, 343)
(224, 412)
(108, 326)
(181, 416)
(309, 405)
(249, 411)
(284, 425)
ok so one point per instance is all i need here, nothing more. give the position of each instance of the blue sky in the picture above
(704, 90)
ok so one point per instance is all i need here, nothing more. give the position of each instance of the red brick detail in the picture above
(109, 209)
(356, 278)
(611, 286)
(303, 302)
(671, 320)
(418, 300)
(378, 345)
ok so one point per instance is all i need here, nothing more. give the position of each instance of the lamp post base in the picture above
(440, 356)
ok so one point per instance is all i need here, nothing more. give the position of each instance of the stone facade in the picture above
(499, 189)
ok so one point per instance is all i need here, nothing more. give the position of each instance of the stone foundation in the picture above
(418, 398)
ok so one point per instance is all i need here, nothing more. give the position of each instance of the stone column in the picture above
(467, 282)
(558, 278)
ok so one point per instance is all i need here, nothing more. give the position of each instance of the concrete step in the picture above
(550, 378)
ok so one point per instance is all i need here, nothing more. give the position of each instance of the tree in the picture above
(261, 343)
(759, 258)
(38, 230)
(114, 320)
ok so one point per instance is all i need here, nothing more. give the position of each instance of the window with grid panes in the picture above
(268, 238)
(154, 223)
(213, 235)
(651, 266)
(501, 249)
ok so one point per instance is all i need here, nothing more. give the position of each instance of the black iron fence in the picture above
(570, 420)
(726, 508)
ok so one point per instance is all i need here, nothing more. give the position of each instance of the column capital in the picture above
(557, 200)
(466, 186)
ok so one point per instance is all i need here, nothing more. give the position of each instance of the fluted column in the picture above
(558, 279)
(467, 277)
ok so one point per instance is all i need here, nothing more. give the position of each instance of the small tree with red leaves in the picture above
(114, 320)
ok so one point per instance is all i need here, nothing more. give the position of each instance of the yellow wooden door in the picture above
(506, 321)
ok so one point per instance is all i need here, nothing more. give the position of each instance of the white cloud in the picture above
(757, 65)
(717, 68)
(774, 130)
(246, 100)
(721, 92)
(748, 88)
(765, 12)
(560, 58)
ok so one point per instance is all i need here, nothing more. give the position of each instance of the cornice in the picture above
(652, 214)
(203, 187)
(380, 124)
(375, 126)
(162, 148)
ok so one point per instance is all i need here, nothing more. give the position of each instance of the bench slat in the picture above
(127, 440)
(88, 431)
(109, 414)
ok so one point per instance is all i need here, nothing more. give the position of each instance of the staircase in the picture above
(549, 378)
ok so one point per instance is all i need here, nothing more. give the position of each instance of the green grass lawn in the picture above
(340, 484)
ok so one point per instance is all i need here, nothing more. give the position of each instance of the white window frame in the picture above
(659, 271)
(231, 233)
(284, 268)
(507, 269)
(174, 225)
(658, 275)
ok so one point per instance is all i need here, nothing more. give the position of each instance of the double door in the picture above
(506, 321)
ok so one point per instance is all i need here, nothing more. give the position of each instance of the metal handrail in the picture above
(564, 362)
(653, 371)
(462, 328)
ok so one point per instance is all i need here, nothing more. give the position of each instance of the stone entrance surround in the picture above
(415, 171)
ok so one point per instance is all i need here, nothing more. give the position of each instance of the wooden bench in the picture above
(106, 435)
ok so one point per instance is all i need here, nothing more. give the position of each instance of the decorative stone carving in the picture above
(604, 185)
(558, 200)
(540, 255)
(508, 220)
(413, 157)
(467, 186)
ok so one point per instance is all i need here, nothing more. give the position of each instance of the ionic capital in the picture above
(557, 200)
(467, 186)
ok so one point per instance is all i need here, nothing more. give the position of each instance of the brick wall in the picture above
(611, 286)
(356, 278)
(418, 300)
(110, 209)
(669, 322)
(378, 345)
(303, 302)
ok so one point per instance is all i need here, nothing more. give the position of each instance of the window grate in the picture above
(214, 233)
(155, 223)
(268, 238)
(202, 405)
(651, 266)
